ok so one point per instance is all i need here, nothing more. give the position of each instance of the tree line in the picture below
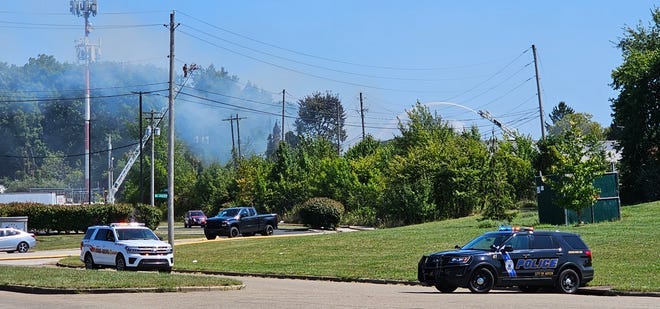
(429, 171)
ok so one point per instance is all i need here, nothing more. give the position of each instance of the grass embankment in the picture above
(49, 277)
(626, 254)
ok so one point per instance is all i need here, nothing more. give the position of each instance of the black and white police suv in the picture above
(125, 246)
(511, 256)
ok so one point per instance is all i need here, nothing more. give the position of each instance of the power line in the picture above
(315, 65)
(78, 90)
(67, 155)
(68, 98)
(325, 58)
(298, 71)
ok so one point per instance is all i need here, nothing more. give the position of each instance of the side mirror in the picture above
(457, 247)
(508, 248)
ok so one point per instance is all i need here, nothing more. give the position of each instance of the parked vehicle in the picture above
(511, 256)
(236, 221)
(194, 217)
(125, 246)
(12, 240)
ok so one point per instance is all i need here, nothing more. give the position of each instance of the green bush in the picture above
(362, 216)
(76, 218)
(148, 215)
(321, 212)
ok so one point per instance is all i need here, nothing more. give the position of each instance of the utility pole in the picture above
(170, 144)
(141, 150)
(362, 114)
(153, 132)
(538, 91)
(338, 130)
(86, 52)
(238, 134)
(283, 94)
(233, 144)
(110, 197)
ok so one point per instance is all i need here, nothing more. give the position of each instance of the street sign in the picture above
(160, 195)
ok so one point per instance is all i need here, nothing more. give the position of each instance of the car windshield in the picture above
(196, 214)
(136, 234)
(486, 242)
(231, 212)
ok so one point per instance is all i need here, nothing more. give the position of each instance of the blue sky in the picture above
(475, 54)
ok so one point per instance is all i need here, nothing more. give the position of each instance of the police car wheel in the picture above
(481, 281)
(568, 281)
(445, 288)
(120, 264)
(89, 261)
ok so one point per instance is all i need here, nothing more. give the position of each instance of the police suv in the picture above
(511, 256)
(125, 246)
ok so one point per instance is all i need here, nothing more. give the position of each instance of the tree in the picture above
(497, 190)
(273, 140)
(581, 160)
(321, 115)
(636, 111)
(558, 112)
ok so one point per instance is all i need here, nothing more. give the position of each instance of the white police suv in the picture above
(125, 246)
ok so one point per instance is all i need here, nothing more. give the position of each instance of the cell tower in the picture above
(86, 52)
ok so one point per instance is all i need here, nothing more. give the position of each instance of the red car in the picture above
(194, 217)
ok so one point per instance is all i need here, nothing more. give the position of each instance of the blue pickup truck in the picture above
(235, 221)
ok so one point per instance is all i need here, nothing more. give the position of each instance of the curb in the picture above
(43, 290)
(40, 257)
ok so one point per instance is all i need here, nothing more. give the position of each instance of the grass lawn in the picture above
(625, 252)
(50, 277)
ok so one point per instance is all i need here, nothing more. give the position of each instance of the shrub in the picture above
(76, 218)
(321, 212)
(362, 216)
(148, 215)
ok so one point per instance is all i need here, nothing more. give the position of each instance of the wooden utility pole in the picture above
(170, 144)
(141, 149)
(153, 132)
(233, 144)
(538, 91)
(238, 132)
(238, 135)
(362, 114)
(338, 130)
(283, 94)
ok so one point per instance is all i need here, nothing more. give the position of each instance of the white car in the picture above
(125, 246)
(12, 240)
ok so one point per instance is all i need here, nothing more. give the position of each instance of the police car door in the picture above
(514, 261)
(103, 244)
(545, 253)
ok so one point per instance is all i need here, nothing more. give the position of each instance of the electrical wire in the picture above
(319, 66)
(324, 58)
(295, 70)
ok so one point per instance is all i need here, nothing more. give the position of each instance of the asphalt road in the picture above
(285, 293)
